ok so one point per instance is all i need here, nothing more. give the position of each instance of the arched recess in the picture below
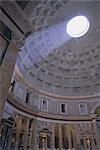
(44, 138)
(96, 109)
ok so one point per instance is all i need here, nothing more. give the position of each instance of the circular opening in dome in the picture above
(77, 26)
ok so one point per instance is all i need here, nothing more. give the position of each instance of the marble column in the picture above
(84, 142)
(66, 137)
(73, 137)
(60, 136)
(33, 135)
(18, 128)
(69, 138)
(53, 136)
(92, 142)
(37, 140)
(26, 137)
(77, 134)
(10, 138)
(96, 133)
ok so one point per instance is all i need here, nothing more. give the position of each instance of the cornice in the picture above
(45, 115)
(32, 88)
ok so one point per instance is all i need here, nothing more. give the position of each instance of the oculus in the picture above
(77, 26)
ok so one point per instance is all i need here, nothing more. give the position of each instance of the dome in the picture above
(50, 75)
(51, 61)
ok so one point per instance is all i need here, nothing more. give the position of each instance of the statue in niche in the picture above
(44, 143)
(88, 141)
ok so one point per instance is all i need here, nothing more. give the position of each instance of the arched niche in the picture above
(97, 112)
(96, 109)
(44, 138)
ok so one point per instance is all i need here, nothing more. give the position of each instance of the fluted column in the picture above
(36, 136)
(77, 137)
(10, 138)
(96, 133)
(69, 138)
(30, 137)
(53, 136)
(37, 140)
(66, 136)
(26, 133)
(84, 142)
(18, 128)
(92, 142)
(33, 135)
(60, 136)
(73, 138)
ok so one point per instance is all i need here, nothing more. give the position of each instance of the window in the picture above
(27, 97)
(83, 108)
(63, 108)
(44, 105)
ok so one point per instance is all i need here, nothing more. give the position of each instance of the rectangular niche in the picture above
(54, 107)
(63, 108)
(83, 108)
(44, 104)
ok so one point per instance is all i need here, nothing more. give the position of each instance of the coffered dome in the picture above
(54, 62)
(50, 75)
